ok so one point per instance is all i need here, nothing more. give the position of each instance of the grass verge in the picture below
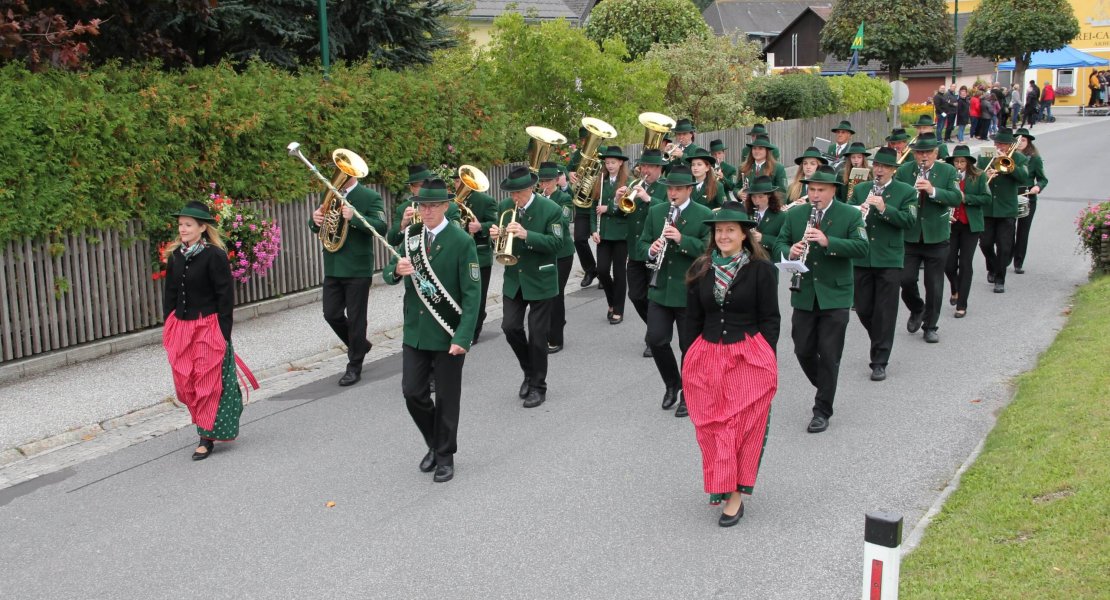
(1031, 518)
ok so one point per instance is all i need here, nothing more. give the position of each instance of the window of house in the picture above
(1065, 78)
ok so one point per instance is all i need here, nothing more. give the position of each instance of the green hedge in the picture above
(92, 150)
(792, 96)
(859, 92)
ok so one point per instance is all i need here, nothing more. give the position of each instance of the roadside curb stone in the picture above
(54, 442)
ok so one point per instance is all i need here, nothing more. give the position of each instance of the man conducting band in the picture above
(673, 237)
(825, 295)
(890, 209)
(347, 275)
(532, 283)
(938, 190)
(649, 192)
(440, 311)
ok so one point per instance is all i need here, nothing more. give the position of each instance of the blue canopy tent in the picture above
(1064, 58)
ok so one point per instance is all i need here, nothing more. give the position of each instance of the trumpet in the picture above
(503, 246)
(796, 278)
(627, 202)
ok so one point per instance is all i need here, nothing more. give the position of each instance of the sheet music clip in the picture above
(791, 266)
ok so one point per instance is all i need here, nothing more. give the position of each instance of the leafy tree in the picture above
(41, 37)
(644, 23)
(897, 34)
(793, 96)
(1001, 29)
(709, 78)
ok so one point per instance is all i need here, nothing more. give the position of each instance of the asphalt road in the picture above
(596, 494)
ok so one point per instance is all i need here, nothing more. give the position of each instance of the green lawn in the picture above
(1031, 518)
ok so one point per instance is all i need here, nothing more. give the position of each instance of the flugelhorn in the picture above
(503, 246)
(333, 231)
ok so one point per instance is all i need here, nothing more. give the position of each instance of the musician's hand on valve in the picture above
(348, 212)
(494, 231)
(318, 216)
(672, 233)
(406, 218)
(642, 194)
(404, 268)
(816, 235)
(621, 191)
(456, 350)
(473, 227)
(573, 178)
(517, 230)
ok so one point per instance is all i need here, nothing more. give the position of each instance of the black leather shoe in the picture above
(681, 410)
(524, 387)
(647, 352)
(444, 473)
(817, 424)
(990, 277)
(931, 336)
(588, 280)
(599, 286)
(727, 521)
(616, 319)
(953, 299)
(428, 463)
(915, 321)
(554, 348)
(1019, 270)
(999, 287)
(670, 397)
(878, 373)
(208, 444)
(351, 377)
(534, 399)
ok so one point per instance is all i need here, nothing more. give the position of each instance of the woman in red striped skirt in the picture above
(198, 302)
(730, 372)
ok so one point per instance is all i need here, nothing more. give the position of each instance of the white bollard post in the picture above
(882, 542)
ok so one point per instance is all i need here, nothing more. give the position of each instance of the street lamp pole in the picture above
(956, 28)
(325, 54)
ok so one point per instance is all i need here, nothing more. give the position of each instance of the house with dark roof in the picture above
(759, 22)
(481, 15)
(793, 46)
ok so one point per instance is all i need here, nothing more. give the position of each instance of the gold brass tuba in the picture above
(590, 165)
(473, 180)
(656, 125)
(333, 232)
(542, 141)
(503, 246)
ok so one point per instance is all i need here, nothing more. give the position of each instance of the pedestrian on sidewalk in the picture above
(1016, 101)
(197, 306)
(1048, 98)
(963, 113)
(730, 373)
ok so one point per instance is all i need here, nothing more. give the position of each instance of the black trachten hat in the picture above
(857, 148)
(960, 151)
(433, 190)
(700, 154)
(613, 152)
(812, 152)
(418, 173)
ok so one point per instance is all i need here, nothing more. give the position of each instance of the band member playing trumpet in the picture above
(855, 157)
(484, 208)
(610, 230)
(889, 208)
(405, 213)
(649, 192)
(438, 326)
(532, 280)
(764, 204)
(997, 239)
(821, 304)
(347, 275)
(550, 175)
(967, 224)
(675, 234)
(938, 190)
(808, 161)
(1039, 181)
(728, 172)
(684, 145)
(707, 190)
(760, 159)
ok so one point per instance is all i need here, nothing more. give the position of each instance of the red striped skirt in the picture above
(728, 390)
(196, 351)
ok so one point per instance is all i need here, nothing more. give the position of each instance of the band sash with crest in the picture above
(439, 303)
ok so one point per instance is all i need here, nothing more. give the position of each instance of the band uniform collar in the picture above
(438, 229)
(682, 207)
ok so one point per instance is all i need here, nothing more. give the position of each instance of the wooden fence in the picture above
(79, 288)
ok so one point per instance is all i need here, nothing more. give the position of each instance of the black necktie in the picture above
(429, 237)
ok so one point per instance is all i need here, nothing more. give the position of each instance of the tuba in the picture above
(656, 126)
(590, 165)
(542, 141)
(333, 232)
(473, 180)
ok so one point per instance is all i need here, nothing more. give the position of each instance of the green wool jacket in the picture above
(886, 231)
(699, 195)
(976, 196)
(932, 225)
(769, 226)
(396, 234)
(614, 223)
(829, 282)
(484, 208)
(729, 182)
(1004, 188)
(778, 178)
(356, 257)
(637, 219)
(563, 199)
(670, 287)
(454, 260)
(1036, 173)
(535, 275)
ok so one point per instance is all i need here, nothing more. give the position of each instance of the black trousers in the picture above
(819, 344)
(638, 277)
(961, 255)
(437, 421)
(1021, 242)
(559, 304)
(582, 243)
(345, 301)
(530, 348)
(997, 244)
(951, 124)
(934, 257)
(661, 322)
(612, 255)
(876, 302)
(485, 271)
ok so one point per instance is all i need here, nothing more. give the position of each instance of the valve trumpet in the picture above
(503, 246)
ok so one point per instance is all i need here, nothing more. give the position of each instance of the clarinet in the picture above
(796, 278)
(657, 264)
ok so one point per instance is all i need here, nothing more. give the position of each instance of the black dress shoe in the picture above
(931, 336)
(524, 387)
(999, 287)
(670, 397)
(599, 286)
(953, 299)
(428, 463)
(616, 319)
(878, 373)
(208, 445)
(990, 277)
(647, 352)
(588, 279)
(727, 521)
(817, 424)
(444, 473)
(1019, 270)
(915, 321)
(534, 399)
(554, 348)
(351, 377)
(681, 410)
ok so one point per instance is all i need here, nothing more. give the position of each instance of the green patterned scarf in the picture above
(724, 271)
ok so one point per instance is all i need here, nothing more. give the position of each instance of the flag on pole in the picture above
(857, 45)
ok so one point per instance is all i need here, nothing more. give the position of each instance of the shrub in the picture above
(644, 23)
(859, 92)
(794, 96)
(910, 112)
